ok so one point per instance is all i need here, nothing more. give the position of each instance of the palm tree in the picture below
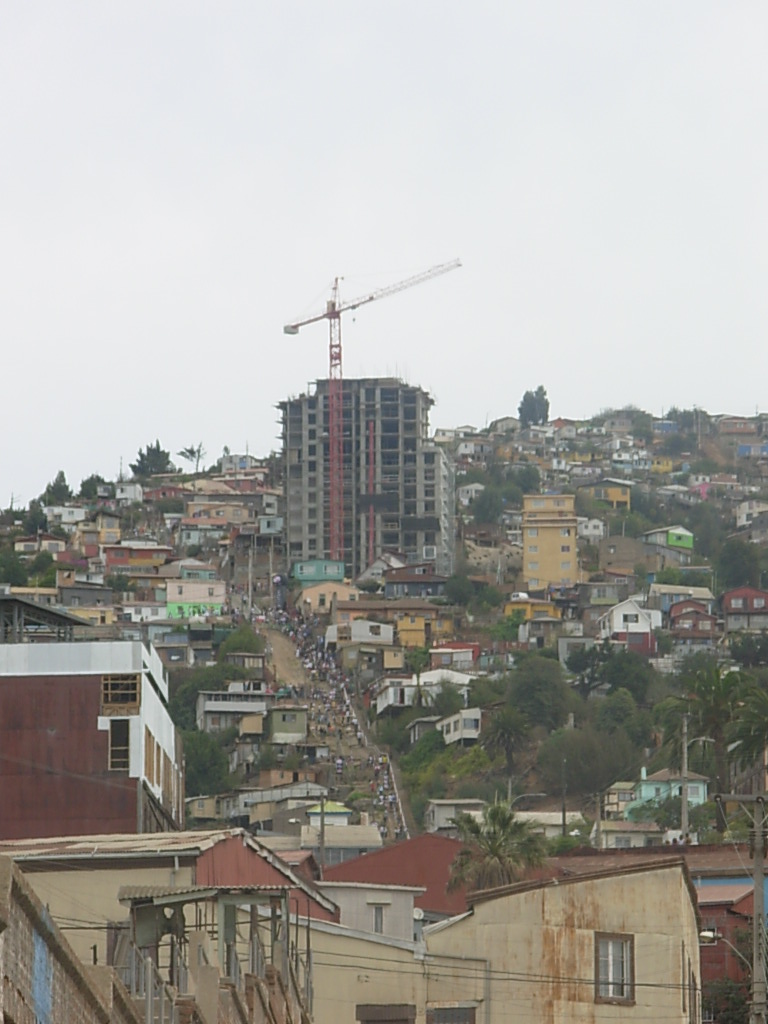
(505, 733)
(496, 849)
(417, 659)
(750, 730)
(712, 696)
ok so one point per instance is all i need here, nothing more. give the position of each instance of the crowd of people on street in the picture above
(359, 765)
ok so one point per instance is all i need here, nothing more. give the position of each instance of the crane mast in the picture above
(334, 309)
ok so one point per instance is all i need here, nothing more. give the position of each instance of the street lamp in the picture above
(711, 938)
(526, 796)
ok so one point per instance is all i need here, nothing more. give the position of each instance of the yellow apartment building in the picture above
(550, 555)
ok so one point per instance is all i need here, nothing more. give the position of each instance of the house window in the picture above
(759, 602)
(629, 619)
(378, 920)
(119, 753)
(565, 531)
(533, 549)
(533, 531)
(565, 547)
(119, 693)
(614, 968)
(533, 566)
(737, 602)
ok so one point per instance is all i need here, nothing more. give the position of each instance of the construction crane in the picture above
(333, 310)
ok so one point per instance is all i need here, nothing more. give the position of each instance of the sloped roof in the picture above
(672, 775)
(725, 892)
(423, 861)
(190, 844)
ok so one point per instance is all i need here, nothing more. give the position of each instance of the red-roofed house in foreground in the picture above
(423, 861)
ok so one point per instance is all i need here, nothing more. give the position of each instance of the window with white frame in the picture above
(614, 968)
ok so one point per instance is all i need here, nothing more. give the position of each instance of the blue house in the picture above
(318, 570)
(667, 783)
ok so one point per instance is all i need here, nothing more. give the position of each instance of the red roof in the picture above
(424, 861)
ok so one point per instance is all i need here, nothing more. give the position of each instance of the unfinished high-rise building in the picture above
(398, 487)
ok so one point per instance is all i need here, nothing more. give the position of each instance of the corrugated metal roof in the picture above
(188, 894)
(160, 843)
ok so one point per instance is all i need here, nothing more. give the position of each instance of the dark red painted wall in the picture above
(54, 779)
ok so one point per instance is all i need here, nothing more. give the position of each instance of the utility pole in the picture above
(565, 789)
(757, 850)
(321, 852)
(684, 782)
(250, 581)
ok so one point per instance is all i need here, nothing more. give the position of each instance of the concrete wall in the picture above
(91, 896)
(540, 945)
(357, 901)
(351, 969)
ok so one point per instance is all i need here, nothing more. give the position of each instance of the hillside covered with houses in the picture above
(588, 647)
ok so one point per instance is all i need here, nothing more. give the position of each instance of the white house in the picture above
(128, 491)
(550, 823)
(440, 815)
(628, 617)
(590, 530)
(467, 493)
(464, 727)
(625, 835)
(393, 692)
(746, 511)
(216, 710)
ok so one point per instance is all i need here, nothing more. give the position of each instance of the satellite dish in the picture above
(418, 914)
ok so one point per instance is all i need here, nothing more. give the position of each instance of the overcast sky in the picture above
(178, 180)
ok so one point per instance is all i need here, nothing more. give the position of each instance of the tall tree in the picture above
(89, 488)
(538, 690)
(58, 490)
(712, 696)
(749, 649)
(193, 453)
(534, 407)
(35, 519)
(750, 730)
(505, 734)
(588, 664)
(417, 659)
(488, 505)
(496, 849)
(12, 569)
(738, 564)
(152, 460)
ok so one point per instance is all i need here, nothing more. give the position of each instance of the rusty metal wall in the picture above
(54, 778)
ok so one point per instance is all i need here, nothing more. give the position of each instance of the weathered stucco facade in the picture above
(591, 948)
(541, 943)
